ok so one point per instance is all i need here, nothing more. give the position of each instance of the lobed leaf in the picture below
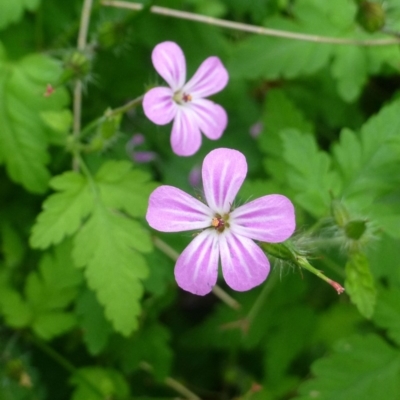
(360, 368)
(24, 136)
(360, 284)
(309, 172)
(108, 247)
(93, 383)
(63, 212)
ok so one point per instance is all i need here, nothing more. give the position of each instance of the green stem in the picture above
(172, 383)
(109, 114)
(303, 262)
(61, 360)
(260, 301)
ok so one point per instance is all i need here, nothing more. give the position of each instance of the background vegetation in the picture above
(89, 308)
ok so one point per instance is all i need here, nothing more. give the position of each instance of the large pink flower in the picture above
(227, 232)
(184, 102)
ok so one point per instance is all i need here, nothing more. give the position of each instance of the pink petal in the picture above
(158, 105)
(196, 269)
(223, 173)
(268, 219)
(211, 118)
(172, 210)
(211, 77)
(244, 265)
(169, 61)
(185, 136)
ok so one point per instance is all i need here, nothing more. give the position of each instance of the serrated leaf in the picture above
(24, 137)
(106, 246)
(360, 285)
(50, 290)
(309, 172)
(360, 368)
(124, 188)
(62, 212)
(12, 10)
(98, 383)
(96, 329)
(60, 122)
(369, 162)
(387, 313)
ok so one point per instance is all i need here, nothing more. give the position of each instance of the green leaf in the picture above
(360, 285)
(13, 247)
(60, 122)
(12, 10)
(15, 310)
(108, 247)
(350, 70)
(63, 212)
(24, 137)
(387, 313)
(124, 188)
(51, 324)
(369, 162)
(98, 383)
(50, 290)
(150, 345)
(309, 172)
(96, 329)
(360, 368)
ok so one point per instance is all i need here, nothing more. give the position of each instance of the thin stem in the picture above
(260, 301)
(250, 28)
(218, 292)
(82, 38)
(172, 383)
(61, 360)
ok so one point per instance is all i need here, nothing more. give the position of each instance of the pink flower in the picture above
(140, 156)
(184, 102)
(226, 232)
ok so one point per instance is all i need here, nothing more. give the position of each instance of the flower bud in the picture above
(340, 213)
(371, 16)
(280, 250)
(355, 229)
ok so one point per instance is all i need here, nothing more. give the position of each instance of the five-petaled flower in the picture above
(227, 233)
(184, 102)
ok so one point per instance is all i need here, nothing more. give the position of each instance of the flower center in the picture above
(182, 97)
(220, 223)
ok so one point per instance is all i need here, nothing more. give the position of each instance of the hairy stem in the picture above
(82, 38)
(250, 28)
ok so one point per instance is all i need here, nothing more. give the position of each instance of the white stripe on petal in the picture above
(159, 106)
(196, 269)
(211, 117)
(211, 77)
(244, 265)
(169, 61)
(185, 136)
(172, 210)
(268, 219)
(223, 172)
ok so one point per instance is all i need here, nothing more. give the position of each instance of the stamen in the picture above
(186, 97)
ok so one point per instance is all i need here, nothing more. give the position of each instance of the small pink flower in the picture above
(184, 102)
(227, 232)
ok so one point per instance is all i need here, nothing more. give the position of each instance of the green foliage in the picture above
(310, 173)
(84, 293)
(387, 312)
(64, 211)
(93, 383)
(359, 368)
(11, 11)
(47, 294)
(360, 284)
(24, 136)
